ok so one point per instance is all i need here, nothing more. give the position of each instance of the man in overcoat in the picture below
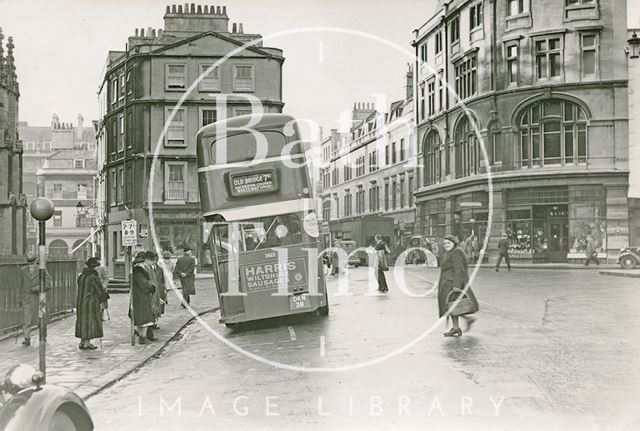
(91, 293)
(382, 250)
(185, 270)
(29, 295)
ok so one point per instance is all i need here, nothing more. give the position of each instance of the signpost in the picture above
(130, 239)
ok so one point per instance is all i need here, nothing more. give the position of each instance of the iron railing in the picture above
(60, 299)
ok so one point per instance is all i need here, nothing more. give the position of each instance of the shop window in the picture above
(553, 132)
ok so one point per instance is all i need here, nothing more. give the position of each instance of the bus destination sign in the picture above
(263, 181)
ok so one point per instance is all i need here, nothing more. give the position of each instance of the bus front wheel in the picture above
(324, 310)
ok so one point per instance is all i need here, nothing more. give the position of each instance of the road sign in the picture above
(144, 230)
(129, 233)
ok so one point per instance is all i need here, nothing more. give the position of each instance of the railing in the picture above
(61, 298)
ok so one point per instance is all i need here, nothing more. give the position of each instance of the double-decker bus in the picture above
(260, 218)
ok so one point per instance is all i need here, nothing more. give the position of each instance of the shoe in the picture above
(143, 340)
(385, 290)
(26, 342)
(150, 336)
(497, 270)
(90, 347)
(453, 333)
(183, 306)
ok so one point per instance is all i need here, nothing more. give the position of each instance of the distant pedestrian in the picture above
(503, 253)
(591, 251)
(91, 293)
(158, 299)
(454, 274)
(29, 295)
(103, 275)
(154, 300)
(382, 251)
(185, 270)
(141, 297)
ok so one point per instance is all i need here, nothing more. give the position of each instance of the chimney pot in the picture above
(240, 29)
(149, 31)
(153, 32)
(173, 8)
(186, 8)
(199, 10)
(159, 32)
(193, 8)
(136, 32)
(179, 8)
(233, 28)
(224, 10)
(206, 9)
(218, 10)
(168, 9)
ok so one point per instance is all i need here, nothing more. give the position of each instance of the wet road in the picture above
(549, 348)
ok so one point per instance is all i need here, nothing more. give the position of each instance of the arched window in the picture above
(58, 248)
(432, 158)
(466, 147)
(553, 132)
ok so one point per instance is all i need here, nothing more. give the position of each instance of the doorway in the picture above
(557, 226)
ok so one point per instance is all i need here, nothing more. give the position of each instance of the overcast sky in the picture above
(61, 48)
(62, 45)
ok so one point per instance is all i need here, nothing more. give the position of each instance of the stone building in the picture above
(57, 141)
(139, 90)
(13, 209)
(544, 85)
(371, 169)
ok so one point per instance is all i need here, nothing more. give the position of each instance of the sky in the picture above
(62, 45)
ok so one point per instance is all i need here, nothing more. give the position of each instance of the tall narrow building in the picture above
(140, 88)
(12, 200)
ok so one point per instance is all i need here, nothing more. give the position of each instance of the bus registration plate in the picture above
(299, 302)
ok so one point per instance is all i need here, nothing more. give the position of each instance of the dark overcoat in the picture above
(141, 294)
(29, 296)
(186, 264)
(162, 288)
(89, 315)
(453, 274)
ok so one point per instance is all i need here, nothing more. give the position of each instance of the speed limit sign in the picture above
(129, 233)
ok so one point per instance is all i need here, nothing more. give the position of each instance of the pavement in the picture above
(88, 372)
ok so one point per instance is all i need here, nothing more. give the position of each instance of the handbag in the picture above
(103, 295)
(465, 306)
(382, 260)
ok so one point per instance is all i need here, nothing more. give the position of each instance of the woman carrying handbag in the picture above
(454, 277)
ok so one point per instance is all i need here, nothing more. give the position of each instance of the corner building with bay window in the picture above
(544, 85)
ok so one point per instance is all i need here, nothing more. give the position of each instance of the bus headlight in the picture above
(20, 377)
(281, 231)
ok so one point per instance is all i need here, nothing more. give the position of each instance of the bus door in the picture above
(224, 257)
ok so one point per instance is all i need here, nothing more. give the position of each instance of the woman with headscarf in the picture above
(141, 297)
(454, 275)
(89, 315)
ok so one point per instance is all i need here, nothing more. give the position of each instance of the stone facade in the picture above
(139, 90)
(13, 209)
(531, 138)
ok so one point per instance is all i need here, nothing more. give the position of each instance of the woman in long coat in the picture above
(453, 274)
(89, 314)
(141, 296)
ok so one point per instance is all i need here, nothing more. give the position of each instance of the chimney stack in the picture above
(80, 128)
(233, 28)
(240, 30)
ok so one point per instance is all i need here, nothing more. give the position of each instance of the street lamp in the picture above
(634, 46)
(42, 209)
(80, 210)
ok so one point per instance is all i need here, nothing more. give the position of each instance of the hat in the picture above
(186, 249)
(92, 262)
(166, 254)
(140, 257)
(31, 257)
(452, 238)
(151, 255)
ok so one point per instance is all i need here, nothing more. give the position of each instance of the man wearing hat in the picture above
(185, 270)
(88, 314)
(503, 252)
(141, 296)
(29, 295)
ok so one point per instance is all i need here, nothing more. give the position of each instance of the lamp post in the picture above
(42, 209)
(634, 45)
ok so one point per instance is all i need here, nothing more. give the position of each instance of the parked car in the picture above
(26, 404)
(629, 257)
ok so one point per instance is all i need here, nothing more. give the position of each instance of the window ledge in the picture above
(176, 202)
